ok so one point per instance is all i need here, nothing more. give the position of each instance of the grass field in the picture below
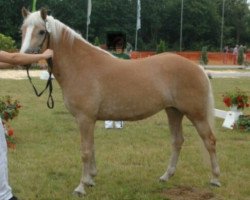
(46, 164)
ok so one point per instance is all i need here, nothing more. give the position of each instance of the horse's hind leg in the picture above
(175, 119)
(87, 148)
(205, 132)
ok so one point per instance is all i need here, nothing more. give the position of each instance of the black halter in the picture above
(50, 101)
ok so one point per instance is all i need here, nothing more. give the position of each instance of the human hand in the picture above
(48, 53)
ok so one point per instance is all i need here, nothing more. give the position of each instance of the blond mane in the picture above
(56, 29)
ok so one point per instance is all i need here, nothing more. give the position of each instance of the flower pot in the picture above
(234, 109)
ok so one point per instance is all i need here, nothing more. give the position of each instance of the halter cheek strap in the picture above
(50, 101)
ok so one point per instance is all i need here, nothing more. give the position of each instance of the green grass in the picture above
(46, 164)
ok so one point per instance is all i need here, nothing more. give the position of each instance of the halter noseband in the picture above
(50, 101)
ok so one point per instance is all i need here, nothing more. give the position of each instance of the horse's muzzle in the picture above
(33, 51)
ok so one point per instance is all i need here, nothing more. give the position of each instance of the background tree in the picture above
(160, 20)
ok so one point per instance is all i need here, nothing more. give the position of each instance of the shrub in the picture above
(204, 58)
(7, 43)
(240, 59)
(161, 47)
(97, 41)
(243, 122)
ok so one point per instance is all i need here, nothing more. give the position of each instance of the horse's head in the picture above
(35, 31)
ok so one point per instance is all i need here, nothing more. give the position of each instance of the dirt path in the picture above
(21, 74)
(188, 193)
(18, 74)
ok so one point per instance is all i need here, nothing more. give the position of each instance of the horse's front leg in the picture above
(86, 126)
(175, 119)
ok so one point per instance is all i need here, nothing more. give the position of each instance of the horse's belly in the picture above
(130, 110)
(126, 115)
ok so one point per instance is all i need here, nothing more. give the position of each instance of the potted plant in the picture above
(236, 100)
(9, 109)
(243, 122)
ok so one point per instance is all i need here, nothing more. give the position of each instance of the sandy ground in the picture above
(18, 74)
(21, 74)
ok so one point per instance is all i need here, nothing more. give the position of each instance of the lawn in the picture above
(46, 164)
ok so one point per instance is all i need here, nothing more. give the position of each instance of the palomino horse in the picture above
(98, 86)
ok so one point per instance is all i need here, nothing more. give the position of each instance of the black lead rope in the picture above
(50, 101)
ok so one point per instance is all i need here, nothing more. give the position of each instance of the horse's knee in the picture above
(178, 142)
(210, 143)
(86, 155)
(212, 139)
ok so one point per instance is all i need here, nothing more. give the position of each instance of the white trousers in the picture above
(5, 189)
(110, 124)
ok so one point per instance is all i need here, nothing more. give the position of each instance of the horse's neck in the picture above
(72, 57)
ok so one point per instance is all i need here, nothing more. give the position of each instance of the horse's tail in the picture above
(210, 107)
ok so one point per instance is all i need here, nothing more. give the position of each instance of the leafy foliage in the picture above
(97, 41)
(161, 47)
(204, 57)
(240, 59)
(244, 122)
(160, 21)
(6, 43)
(9, 109)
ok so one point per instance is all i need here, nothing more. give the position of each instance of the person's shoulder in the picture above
(121, 55)
(125, 56)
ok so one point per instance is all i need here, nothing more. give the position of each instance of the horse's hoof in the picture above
(163, 179)
(79, 191)
(78, 194)
(89, 182)
(215, 182)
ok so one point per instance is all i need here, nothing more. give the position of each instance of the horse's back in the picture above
(151, 84)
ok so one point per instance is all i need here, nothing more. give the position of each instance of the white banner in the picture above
(138, 23)
(89, 11)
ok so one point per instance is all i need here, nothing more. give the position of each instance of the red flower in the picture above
(239, 98)
(11, 145)
(240, 105)
(227, 101)
(9, 109)
(10, 132)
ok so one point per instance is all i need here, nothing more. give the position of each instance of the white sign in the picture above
(231, 118)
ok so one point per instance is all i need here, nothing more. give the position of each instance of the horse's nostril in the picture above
(32, 51)
(28, 51)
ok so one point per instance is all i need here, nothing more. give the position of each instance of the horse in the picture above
(98, 86)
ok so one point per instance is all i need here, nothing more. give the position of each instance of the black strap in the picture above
(50, 101)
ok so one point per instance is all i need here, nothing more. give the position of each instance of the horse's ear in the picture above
(25, 12)
(43, 12)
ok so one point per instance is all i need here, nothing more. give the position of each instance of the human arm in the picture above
(9, 59)
(5, 65)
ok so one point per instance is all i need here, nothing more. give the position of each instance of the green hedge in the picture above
(7, 43)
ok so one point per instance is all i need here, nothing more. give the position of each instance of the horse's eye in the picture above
(42, 32)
